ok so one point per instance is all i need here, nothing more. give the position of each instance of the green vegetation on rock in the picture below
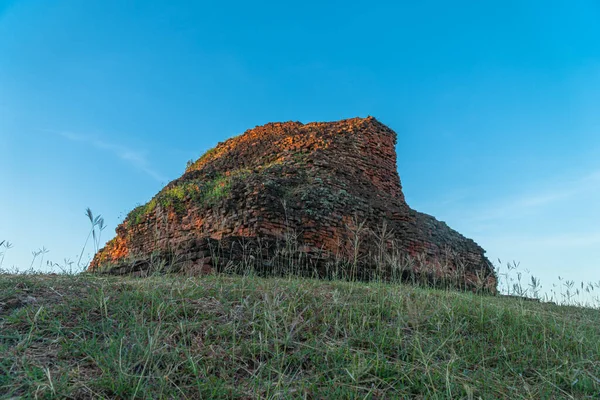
(202, 192)
(137, 215)
(209, 153)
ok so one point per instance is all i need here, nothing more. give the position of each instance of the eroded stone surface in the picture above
(324, 187)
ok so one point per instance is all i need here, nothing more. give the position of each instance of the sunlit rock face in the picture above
(326, 193)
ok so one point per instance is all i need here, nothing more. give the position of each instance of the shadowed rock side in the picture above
(315, 197)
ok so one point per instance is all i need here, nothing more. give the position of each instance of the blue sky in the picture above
(495, 106)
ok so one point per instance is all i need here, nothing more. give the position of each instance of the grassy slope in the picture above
(245, 337)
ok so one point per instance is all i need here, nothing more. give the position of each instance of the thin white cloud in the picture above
(544, 196)
(549, 243)
(135, 158)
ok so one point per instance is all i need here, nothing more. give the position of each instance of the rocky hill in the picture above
(317, 197)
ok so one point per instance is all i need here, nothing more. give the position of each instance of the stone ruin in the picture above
(320, 199)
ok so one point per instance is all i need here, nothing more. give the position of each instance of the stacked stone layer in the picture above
(329, 185)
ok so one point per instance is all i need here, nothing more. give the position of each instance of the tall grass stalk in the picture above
(7, 246)
(97, 226)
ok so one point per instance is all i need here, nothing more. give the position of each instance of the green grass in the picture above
(211, 153)
(221, 336)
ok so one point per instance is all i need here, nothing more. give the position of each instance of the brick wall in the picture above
(326, 184)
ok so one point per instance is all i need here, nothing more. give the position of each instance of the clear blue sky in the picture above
(495, 106)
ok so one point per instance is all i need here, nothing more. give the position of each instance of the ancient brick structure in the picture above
(328, 194)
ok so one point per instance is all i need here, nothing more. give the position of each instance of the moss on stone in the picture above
(201, 192)
(200, 161)
(138, 214)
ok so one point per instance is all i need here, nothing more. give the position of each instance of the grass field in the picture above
(220, 336)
